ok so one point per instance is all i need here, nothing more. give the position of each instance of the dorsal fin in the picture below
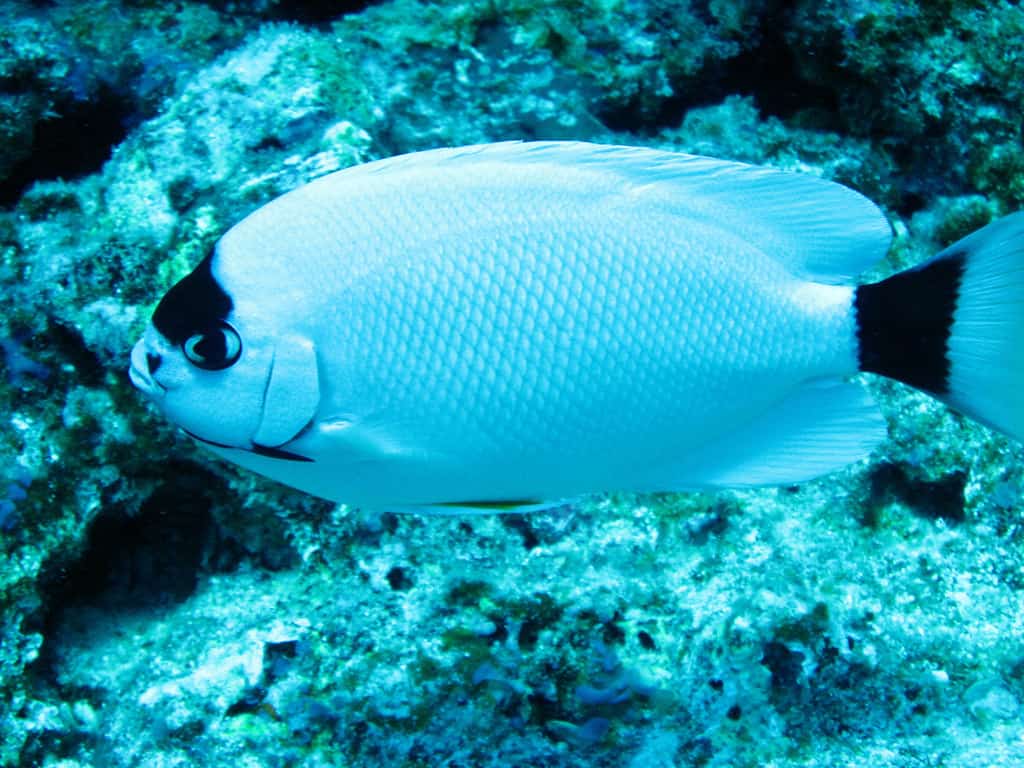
(820, 229)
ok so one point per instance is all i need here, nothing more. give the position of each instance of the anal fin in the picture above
(821, 427)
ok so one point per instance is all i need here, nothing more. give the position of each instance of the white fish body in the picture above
(517, 322)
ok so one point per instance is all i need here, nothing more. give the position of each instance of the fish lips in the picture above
(138, 372)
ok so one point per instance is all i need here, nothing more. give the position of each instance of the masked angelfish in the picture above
(517, 323)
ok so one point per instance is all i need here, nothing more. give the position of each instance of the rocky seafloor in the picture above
(161, 608)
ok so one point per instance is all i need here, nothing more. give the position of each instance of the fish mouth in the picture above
(139, 374)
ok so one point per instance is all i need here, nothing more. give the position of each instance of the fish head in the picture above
(223, 371)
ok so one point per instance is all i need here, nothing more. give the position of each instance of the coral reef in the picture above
(159, 607)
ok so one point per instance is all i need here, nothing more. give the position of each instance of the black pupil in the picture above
(212, 347)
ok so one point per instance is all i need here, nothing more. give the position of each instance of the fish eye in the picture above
(214, 349)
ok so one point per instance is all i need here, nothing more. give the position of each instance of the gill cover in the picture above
(293, 392)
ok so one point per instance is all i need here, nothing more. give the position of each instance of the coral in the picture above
(932, 83)
(75, 81)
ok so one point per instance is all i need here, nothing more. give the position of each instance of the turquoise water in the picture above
(161, 608)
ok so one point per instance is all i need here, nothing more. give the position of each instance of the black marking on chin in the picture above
(260, 450)
(904, 323)
(194, 436)
(194, 304)
(278, 453)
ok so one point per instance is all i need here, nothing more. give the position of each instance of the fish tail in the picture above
(954, 326)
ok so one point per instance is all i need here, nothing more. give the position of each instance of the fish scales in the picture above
(581, 335)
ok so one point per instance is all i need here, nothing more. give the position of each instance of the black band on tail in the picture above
(903, 323)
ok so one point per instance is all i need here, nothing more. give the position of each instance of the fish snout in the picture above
(144, 363)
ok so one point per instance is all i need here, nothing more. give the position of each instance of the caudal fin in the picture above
(954, 326)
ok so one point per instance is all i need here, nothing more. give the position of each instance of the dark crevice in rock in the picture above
(72, 349)
(154, 557)
(129, 563)
(132, 562)
(317, 12)
(942, 498)
(785, 665)
(768, 72)
(75, 142)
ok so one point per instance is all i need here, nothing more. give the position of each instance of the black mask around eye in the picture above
(214, 349)
(193, 306)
